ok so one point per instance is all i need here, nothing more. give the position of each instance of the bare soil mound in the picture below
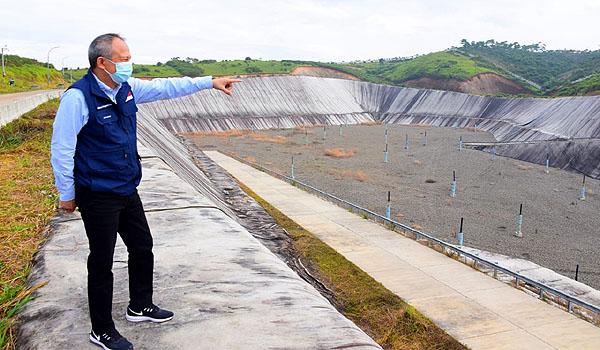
(323, 73)
(480, 84)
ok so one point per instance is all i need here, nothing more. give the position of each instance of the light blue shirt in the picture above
(73, 114)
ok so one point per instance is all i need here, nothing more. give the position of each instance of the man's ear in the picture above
(100, 63)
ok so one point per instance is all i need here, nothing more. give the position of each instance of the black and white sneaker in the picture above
(152, 313)
(111, 340)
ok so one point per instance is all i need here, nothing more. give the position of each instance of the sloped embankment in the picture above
(289, 101)
(480, 84)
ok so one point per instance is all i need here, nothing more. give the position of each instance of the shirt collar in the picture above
(111, 93)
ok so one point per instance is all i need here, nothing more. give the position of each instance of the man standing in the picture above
(97, 168)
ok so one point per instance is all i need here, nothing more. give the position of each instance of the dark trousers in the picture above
(104, 215)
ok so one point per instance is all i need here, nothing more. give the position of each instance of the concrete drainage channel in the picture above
(550, 294)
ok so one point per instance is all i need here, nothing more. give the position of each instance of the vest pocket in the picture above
(108, 160)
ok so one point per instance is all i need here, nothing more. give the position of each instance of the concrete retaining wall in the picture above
(15, 109)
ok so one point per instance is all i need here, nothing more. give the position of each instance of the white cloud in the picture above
(313, 30)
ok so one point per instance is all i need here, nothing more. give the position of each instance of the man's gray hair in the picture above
(101, 47)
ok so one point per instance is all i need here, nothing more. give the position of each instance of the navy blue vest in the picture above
(106, 158)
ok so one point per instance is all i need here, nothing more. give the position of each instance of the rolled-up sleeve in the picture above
(162, 88)
(71, 116)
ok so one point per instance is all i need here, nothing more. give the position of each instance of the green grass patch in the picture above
(29, 75)
(587, 86)
(27, 201)
(383, 315)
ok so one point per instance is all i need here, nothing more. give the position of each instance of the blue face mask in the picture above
(124, 70)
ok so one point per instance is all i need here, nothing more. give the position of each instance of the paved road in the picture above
(479, 311)
(7, 98)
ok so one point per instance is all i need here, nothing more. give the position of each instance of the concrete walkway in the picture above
(226, 289)
(478, 310)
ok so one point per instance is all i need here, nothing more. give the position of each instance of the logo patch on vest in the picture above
(129, 96)
(103, 106)
(108, 116)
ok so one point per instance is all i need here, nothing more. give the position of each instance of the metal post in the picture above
(386, 153)
(494, 153)
(387, 214)
(519, 233)
(460, 144)
(547, 162)
(577, 273)
(460, 233)
(475, 129)
(292, 173)
(340, 129)
(582, 189)
(305, 136)
(346, 120)
(386, 134)
(453, 183)
(4, 48)
(438, 123)
(406, 143)
(324, 131)
(425, 139)
(63, 65)
(48, 63)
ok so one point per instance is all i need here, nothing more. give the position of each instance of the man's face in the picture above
(120, 53)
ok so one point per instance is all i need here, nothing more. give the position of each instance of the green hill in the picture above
(587, 86)
(551, 69)
(485, 67)
(28, 72)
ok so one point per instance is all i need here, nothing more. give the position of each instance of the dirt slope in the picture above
(480, 84)
(323, 73)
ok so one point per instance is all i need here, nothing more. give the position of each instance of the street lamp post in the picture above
(48, 62)
(63, 65)
(4, 48)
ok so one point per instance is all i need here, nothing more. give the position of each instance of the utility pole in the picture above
(4, 48)
(48, 62)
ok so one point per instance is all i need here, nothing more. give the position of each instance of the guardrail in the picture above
(543, 289)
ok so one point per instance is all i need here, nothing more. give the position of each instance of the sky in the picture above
(325, 30)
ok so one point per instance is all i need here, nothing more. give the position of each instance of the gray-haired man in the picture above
(97, 168)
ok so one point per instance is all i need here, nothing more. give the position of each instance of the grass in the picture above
(340, 152)
(384, 316)
(27, 201)
(30, 74)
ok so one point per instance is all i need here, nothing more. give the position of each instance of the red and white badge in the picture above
(129, 96)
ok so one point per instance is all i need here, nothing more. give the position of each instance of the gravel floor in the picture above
(560, 231)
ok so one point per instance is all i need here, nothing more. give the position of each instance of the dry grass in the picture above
(250, 159)
(369, 123)
(471, 128)
(340, 152)
(417, 227)
(418, 125)
(399, 215)
(260, 137)
(27, 201)
(430, 181)
(524, 167)
(226, 133)
(417, 162)
(344, 174)
(384, 316)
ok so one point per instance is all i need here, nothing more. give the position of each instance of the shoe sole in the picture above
(146, 318)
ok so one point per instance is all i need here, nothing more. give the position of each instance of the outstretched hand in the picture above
(225, 84)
